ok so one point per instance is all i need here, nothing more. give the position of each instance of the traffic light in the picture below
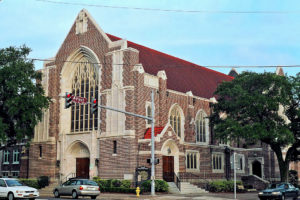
(94, 107)
(68, 100)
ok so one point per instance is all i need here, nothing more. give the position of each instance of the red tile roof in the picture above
(182, 76)
(157, 130)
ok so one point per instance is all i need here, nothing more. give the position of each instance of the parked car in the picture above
(279, 191)
(13, 189)
(77, 187)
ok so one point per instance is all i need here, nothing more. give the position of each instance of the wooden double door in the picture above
(168, 168)
(83, 168)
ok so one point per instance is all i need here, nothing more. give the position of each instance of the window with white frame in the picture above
(6, 157)
(192, 160)
(239, 162)
(15, 174)
(175, 120)
(5, 174)
(201, 127)
(84, 84)
(16, 158)
(218, 162)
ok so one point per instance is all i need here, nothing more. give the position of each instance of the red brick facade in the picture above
(132, 150)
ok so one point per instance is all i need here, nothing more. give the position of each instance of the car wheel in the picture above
(283, 197)
(93, 197)
(74, 194)
(10, 196)
(56, 194)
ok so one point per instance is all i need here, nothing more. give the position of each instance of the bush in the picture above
(119, 190)
(101, 182)
(160, 186)
(125, 184)
(43, 181)
(112, 183)
(30, 182)
(116, 183)
(222, 186)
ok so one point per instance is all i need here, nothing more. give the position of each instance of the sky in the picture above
(208, 38)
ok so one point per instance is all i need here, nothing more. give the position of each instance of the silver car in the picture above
(77, 187)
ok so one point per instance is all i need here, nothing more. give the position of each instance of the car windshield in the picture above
(12, 183)
(88, 182)
(273, 186)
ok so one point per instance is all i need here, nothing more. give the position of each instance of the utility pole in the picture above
(94, 107)
(234, 174)
(152, 147)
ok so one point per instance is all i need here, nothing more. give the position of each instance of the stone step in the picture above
(173, 188)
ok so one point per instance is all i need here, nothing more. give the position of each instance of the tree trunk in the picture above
(284, 165)
(284, 171)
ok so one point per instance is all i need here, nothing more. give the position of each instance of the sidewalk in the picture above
(208, 196)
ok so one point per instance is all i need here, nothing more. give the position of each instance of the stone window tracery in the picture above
(84, 84)
(175, 120)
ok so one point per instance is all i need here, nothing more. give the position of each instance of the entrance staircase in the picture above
(185, 188)
(48, 190)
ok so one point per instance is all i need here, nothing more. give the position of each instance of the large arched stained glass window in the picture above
(175, 120)
(84, 84)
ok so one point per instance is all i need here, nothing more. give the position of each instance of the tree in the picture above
(261, 107)
(22, 99)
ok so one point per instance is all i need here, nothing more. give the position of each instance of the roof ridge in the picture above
(174, 57)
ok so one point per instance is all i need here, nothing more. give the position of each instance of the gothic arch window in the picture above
(149, 114)
(176, 120)
(201, 127)
(84, 84)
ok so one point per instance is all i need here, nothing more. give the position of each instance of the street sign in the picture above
(80, 100)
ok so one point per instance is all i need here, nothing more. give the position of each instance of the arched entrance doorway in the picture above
(78, 160)
(256, 168)
(170, 160)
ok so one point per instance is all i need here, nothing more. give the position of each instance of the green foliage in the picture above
(160, 186)
(30, 182)
(251, 103)
(22, 97)
(222, 186)
(43, 181)
(125, 183)
(114, 185)
(119, 190)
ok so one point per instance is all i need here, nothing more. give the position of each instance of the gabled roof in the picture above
(157, 130)
(182, 76)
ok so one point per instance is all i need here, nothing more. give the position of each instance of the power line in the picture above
(172, 10)
(207, 66)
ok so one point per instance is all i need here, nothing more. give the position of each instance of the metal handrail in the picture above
(177, 181)
(70, 175)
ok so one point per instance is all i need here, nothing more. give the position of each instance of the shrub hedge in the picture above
(30, 182)
(222, 186)
(114, 185)
(160, 186)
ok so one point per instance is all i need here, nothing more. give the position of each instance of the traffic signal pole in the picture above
(95, 105)
(152, 146)
(152, 135)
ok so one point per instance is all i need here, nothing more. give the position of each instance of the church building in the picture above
(74, 142)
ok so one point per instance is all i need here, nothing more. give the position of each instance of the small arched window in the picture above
(175, 120)
(200, 127)
(149, 114)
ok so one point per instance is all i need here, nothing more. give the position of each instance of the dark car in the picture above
(77, 187)
(279, 191)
